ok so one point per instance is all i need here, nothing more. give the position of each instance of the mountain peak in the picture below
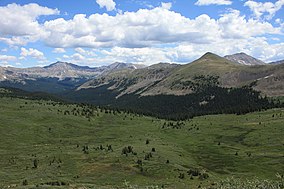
(209, 56)
(122, 65)
(243, 58)
(58, 63)
(67, 65)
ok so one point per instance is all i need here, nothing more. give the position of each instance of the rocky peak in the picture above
(243, 58)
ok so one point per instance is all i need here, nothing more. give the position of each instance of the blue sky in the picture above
(100, 32)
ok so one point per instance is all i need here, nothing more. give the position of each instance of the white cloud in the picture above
(21, 23)
(77, 57)
(167, 6)
(80, 50)
(183, 53)
(108, 4)
(213, 2)
(34, 53)
(6, 58)
(267, 8)
(144, 36)
(233, 25)
(65, 56)
(278, 21)
(59, 50)
(145, 55)
(147, 28)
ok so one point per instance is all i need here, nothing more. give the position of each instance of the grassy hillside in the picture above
(208, 64)
(45, 143)
(269, 78)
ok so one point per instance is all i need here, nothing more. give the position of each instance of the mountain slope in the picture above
(167, 79)
(121, 65)
(242, 58)
(277, 62)
(132, 81)
(55, 78)
(158, 79)
(59, 70)
(179, 81)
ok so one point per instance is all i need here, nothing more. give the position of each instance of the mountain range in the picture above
(163, 78)
(173, 79)
(61, 70)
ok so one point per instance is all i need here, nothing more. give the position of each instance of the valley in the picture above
(140, 94)
(47, 144)
(212, 123)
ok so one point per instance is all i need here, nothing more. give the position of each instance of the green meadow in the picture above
(46, 144)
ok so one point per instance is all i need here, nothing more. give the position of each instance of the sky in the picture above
(100, 32)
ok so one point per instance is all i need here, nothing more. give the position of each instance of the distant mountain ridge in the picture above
(157, 79)
(55, 78)
(170, 79)
(60, 70)
(122, 65)
(242, 58)
(59, 64)
(277, 62)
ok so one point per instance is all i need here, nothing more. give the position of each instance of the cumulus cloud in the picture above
(233, 25)
(58, 50)
(267, 8)
(21, 23)
(167, 6)
(213, 2)
(146, 28)
(108, 4)
(144, 36)
(80, 50)
(182, 53)
(34, 53)
(7, 58)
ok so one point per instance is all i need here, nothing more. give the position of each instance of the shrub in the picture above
(147, 141)
(181, 176)
(127, 150)
(25, 182)
(35, 163)
(193, 172)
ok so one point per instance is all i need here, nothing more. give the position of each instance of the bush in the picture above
(35, 163)
(147, 141)
(193, 172)
(203, 176)
(127, 150)
(181, 176)
(25, 182)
